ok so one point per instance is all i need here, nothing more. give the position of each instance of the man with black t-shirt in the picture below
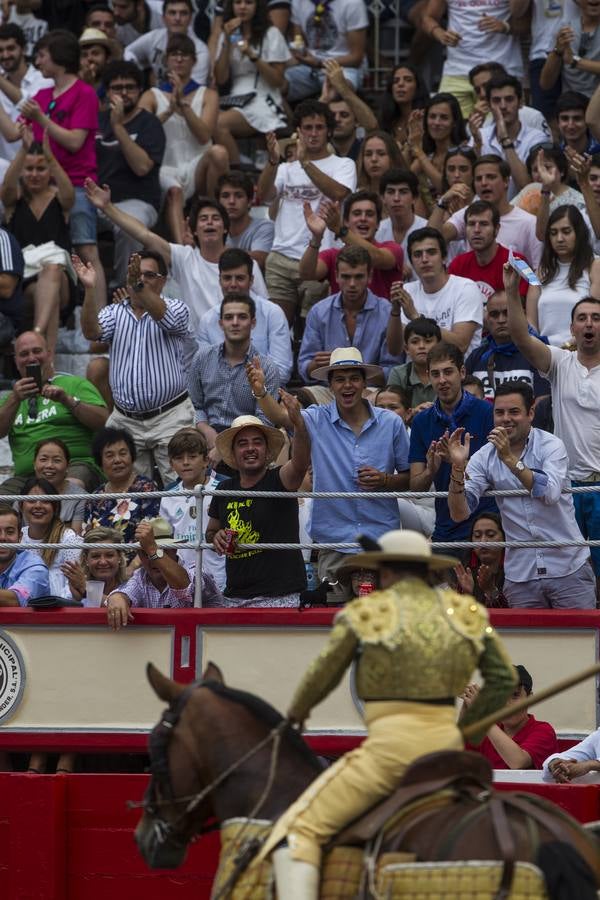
(263, 578)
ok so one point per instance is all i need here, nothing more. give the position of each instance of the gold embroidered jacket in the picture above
(411, 642)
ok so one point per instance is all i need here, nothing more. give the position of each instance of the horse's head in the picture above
(174, 807)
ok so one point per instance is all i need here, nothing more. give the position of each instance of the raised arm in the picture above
(327, 185)
(90, 326)
(294, 470)
(265, 188)
(363, 113)
(311, 267)
(535, 351)
(65, 193)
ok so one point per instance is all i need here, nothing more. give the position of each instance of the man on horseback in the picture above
(416, 648)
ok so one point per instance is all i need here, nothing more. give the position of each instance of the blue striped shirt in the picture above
(147, 357)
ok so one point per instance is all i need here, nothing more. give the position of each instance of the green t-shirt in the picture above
(54, 420)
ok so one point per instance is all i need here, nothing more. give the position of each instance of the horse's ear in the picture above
(213, 673)
(162, 686)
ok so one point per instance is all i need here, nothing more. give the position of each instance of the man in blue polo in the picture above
(453, 408)
(23, 575)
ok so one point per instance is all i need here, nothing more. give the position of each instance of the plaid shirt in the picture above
(142, 593)
(221, 392)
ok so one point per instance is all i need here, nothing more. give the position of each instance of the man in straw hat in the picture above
(416, 648)
(354, 446)
(260, 577)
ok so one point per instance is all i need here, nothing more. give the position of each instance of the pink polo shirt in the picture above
(77, 107)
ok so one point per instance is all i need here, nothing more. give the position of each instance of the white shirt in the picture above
(270, 335)
(460, 300)
(59, 584)
(32, 82)
(198, 281)
(127, 34)
(526, 140)
(529, 116)
(477, 46)
(294, 187)
(517, 231)
(545, 16)
(587, 749)
(328, 40)
(385, 232)
(556, 301)
(180, 512)
(148, 52)
(527, 518)
(576, 410)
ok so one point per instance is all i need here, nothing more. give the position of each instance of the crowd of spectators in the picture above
(289, 280)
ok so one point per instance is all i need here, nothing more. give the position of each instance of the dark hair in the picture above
(583, 300)
(474, 381)
(236, 179)
(158, 259)
(187, 440)
(423, 327)
(98, 7)
(571, 100)
(58, 442)
(238, 297)
(10, 31)
(199, 203)
(259, 24)
(493, 67)
(390, 112)
(63, 49)
(502, 80)
(55, 529)
(525, 679)
(391, 146)
(354, 256)
(494, 517)
(121, 68)
(7, 510)
(233, 258)
(467, 153)
(108, 436)
(595, 161)
(481, 206)
(36, 148)
(516, 387)
(491, 159)
(445, 350)
(583, 255)
(458, 134)
(181, 43)
(402, 393)
(555, 154)
(421, 234)
(399, 176)
(166, 3)
(308, 108)
(359, 197)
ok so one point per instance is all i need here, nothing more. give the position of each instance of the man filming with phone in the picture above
(43, 405)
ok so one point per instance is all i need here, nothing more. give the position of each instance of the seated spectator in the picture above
(160, 582)
(519, 741)
(51, 460)
(149, 50)
(134, 18)
(568, 272)
(474, 385)
(361, 218)
(378, 154)
(265, 578)
(396, 399)
(575, 762)
(96, 53)
(518, 455)
(354, 316)
(97, 564)
(23, 576)
(420, 335)
(431, 133)
(337, 32)
(548, 170)
(404, 91)
(455, 303)
(480, 76)
(251, 59)
(115, 453)
(498, 360)
(130, 144)
(457, 193)
(67, 407)
(517, 227)
(218, 385)
(399, 190)
(483, 577)
(349, 111)
(188, 114)
(574, 51)
(42, 524)
(235, 191)
(188, 456)
(271, 334)
(38, 196)
(12, 268)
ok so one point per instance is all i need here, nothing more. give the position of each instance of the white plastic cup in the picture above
(93, 593)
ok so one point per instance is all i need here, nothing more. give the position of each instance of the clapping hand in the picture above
(315, 220)
(400, 298)
(98, 196)
(499, 438)
(458, 446)
(464, 577)
(256, 376)
(85, 272)
(294, 410)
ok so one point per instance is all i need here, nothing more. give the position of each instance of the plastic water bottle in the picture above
(312, 582)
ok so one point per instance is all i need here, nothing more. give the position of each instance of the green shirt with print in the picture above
(54, 420)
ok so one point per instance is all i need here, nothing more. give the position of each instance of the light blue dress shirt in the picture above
(27, 576)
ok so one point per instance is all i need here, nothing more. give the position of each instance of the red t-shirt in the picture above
(77, 107)
(536, 738)
(488, 278)
(380, 281)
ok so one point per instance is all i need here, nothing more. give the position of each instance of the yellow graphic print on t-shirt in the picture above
(246, 534)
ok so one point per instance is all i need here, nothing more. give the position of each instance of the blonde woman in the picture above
(98, 564)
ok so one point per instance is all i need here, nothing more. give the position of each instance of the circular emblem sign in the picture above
(12, 676)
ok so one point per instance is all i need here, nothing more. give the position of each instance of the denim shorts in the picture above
(83, 220)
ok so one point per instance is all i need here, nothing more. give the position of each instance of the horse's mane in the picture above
(267, 714)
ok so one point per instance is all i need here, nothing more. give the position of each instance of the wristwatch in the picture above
(574, 61)
(158, 555)
(520, 465)
(342, 232)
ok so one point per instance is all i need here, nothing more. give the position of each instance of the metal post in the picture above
(198, 493)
